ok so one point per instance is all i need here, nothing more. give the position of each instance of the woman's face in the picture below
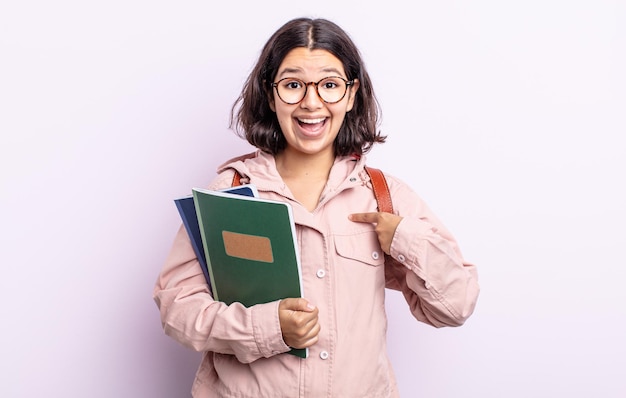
(311, 126)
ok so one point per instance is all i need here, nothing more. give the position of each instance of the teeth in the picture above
(312, 121)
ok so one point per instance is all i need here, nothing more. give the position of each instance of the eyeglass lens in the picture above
(330, 89)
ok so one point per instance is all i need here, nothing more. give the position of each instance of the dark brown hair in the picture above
(252, 116)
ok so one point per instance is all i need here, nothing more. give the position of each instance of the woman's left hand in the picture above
(385, 226)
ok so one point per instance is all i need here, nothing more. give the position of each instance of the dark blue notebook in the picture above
(187, 210)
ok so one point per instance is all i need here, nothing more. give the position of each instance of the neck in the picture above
(292, 165)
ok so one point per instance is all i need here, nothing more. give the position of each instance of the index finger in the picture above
(364, 217)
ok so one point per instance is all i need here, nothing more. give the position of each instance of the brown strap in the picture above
(236, 179)
(383, 199)
(381, 190)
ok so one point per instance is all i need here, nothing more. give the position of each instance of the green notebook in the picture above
(251, 248)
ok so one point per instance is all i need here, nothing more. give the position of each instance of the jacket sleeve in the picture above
(439, 286)
(191, 316)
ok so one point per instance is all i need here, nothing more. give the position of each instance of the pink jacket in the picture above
(342, 274)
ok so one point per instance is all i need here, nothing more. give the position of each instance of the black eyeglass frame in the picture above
(306, 88)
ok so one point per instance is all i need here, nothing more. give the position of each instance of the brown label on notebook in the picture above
(250, 247)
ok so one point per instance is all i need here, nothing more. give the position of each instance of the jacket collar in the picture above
(260, 169)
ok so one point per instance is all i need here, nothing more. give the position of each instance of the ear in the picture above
(352, 94)
(270, 100)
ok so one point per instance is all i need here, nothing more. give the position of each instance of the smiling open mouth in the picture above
(312, 124)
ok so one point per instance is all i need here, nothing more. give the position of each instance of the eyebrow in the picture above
(287, 71)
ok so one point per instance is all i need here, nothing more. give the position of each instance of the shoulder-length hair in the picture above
(254, 120)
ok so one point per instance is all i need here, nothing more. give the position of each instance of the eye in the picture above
(331, 83)
(292, 84)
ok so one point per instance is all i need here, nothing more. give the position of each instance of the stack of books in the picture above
(246, 245)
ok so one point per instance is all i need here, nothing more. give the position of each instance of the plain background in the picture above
(507, 117)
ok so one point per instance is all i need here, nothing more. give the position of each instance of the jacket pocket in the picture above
(360, 246)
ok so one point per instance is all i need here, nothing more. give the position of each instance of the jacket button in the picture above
(375, 255)
(324, 355)
(321, 273)
(401, 258)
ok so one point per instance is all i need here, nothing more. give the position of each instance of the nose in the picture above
(311, 98)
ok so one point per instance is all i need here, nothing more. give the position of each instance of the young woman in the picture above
(309, 108)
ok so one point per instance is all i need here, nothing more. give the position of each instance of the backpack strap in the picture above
(381, 190)
(236, 179)
(394, 271)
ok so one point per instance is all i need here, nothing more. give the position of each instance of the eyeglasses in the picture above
(330, 89)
